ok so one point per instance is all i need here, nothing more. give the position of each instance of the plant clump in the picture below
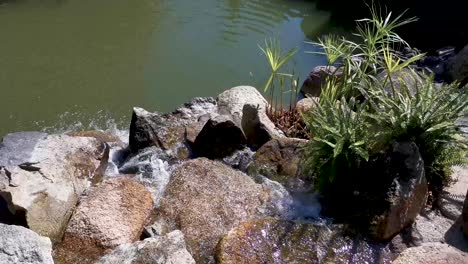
(381, 99)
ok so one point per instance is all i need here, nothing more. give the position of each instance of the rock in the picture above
(383, 198)
(317, 78)
(465, 215)
(111, 214)
(205, 199)
(20, 245)
(46, 174)
(232, 101)
(257, 127)
(168, 249)
(100, 135)
(458, 66)
(219, 138)
(279, 241)
(280, 160)
(303, 106)
(249, 109)
(411, 79)
(452, 198)
(432, 253)
(166, 131)
(408, 193)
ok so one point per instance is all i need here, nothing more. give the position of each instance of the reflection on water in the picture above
(109, 55)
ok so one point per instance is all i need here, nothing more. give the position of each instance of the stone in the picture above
(280, 160)
(167, 249)
(458, 66)
(46, 174)
(166, 131)
(303, 106)
(317, 78)
(232, 101)
(110, 214)
(205, 199)
(451, 200)
(100, 135)
(219, 138)
(246, 100)
(384, 197)
(408, 193)
(410, 78)
(280, 241)
(432, 253)
(257, 127)
(20, 245)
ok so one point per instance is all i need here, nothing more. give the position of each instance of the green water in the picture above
(66, 63)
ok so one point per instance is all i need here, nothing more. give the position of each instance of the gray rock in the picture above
(465, 215)
(408, 192)
(317, 78)
(433, 253)
(257, 127)
(205, 199)
(46, 178)
(168, 249)
(20, 245)
(411, 79)
(167, 131)
(248, 108)
(458, 66)
(110, 214)
(220, 137)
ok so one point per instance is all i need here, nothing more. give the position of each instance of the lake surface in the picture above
(84, 63)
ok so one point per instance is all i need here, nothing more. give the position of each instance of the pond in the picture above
(79, 64)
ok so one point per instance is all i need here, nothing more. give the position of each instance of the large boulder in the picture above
(383, 198)
(248, 108)
(278, 241)
(280, 160)
(220, 137)
(111, 214)
(167, 249)
(317, 78)
(166, 131)
(458, 66)
(406, 78)
(20, 245)
(205, 199)
(43, 177)
(432, 253)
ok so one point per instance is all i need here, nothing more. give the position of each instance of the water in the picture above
(72, 62)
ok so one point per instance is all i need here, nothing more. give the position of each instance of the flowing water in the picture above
(78, 63)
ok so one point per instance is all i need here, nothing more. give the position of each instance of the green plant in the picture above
(395, 103)
(276, 60)
(427, 115)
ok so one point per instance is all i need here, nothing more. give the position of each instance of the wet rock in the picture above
(20, 245)
(46, 174)
(100, 135)
(220, 137)
(280, 160)
(168, 249)
(317, 78)
(458, 66)
(257, 127)
(433, 253)
(408, 193)
(279, 241)
(384, 198)
(303, 106)
(111, 214)
(167, 131)
(205, 199)
(150, 168)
